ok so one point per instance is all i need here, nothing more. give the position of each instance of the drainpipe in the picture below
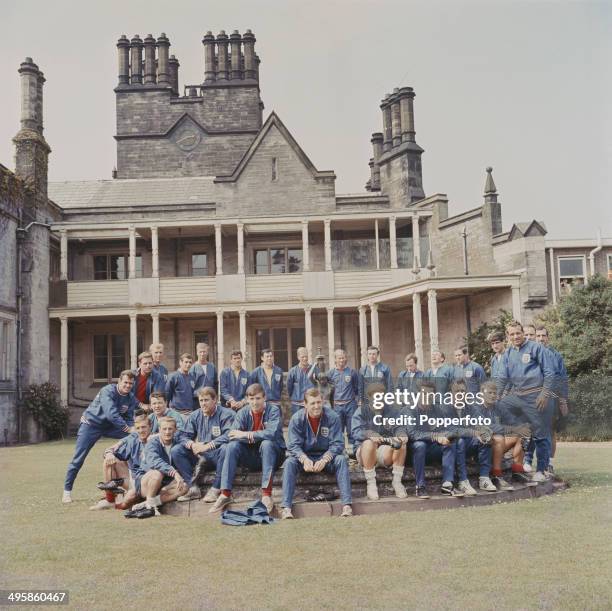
(21, 233)
(594, 252)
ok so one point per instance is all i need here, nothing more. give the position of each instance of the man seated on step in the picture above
(471, 442)
(123, 463)
(432, 442)
(160, 409)
(316, 444)
(378, 444)
(256, 442)
(508, 434)
(162, 482)
(180, 385)
(203, 444)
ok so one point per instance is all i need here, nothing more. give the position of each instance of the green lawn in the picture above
(549, 553)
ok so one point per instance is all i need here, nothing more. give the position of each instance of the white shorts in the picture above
(380, 457)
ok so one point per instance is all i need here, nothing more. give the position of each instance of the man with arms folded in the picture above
(123, 461)
(203, 373)
(316, 444)
(157, 350)
(180, 385)
(269, 376)
(162, 482)
(110, 414)
(526, 387)
(468, 370)
(146, 381)
(432, 443)
(497, 341)
(160, 409)
(345, 381)
(256, 442)
(381, 445)
(299, 380)
(408, 379)
(233, 383)
(441, 373)
(203, 444)
(374, 372)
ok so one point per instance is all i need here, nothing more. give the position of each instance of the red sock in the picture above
(517, 467)
(267, 491)
(110, 496)
(496, 472)
(226, 492)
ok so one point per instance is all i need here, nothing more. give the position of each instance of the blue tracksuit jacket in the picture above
(111, 408)
(273, 391)
(272, 422)
(156, 457)
(131, 450)
(473, 374)
(204, 429)
(298, 383)
(345, 382)
(170, 413)
(381, 375)
(303, 440)
(442, 377)
(203, 375)
(531, 366)
(179, 390)
(408, 381)
(232, 386)
(155, 383)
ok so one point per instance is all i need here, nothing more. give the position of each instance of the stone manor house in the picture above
(216, 226)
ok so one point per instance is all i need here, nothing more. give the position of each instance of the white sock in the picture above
(153, 502)
(370, 475)
(398, 473)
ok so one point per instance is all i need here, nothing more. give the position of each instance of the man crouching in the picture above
(162, 482)
(316, 443)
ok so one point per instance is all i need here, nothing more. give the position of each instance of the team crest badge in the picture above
(324, 431)
(526, 358)
(243, 381)
(469, 373)
(277, 377)
(347, 379)
(379, 374)
(192, 384)
(216, 431)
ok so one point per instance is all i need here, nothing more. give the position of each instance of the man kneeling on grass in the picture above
(123, 461)
(161, 483)
(316, 443)
(380, 445)
(256, 442)
(203, 445)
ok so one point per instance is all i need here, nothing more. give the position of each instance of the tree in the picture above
(476, 341)
(580, 325)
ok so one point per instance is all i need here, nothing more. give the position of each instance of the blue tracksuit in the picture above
(155, 383)
(409, 381)
(527, 373)
(424, 448)
(328, 441)
(157, 457)
(179, 391)
(471, 446)
(266, 453)
(496, 365)
(473, 374)
(110, 414)
(162, 371)
(442, 377)
(274, 389)
(204, 429)
(170, 413)
(380, 375)
(298, 382)
(203, 375)
(346, 392)
(233, 386)
(131, 450)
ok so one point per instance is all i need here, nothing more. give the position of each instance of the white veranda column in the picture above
(305, 253)
(63, 255)
(155, 327)
(132, 257)
(432, 311)
(416, 240)
(330, 334)
(393, 242)
(154, 252)
(363, 333)
(516, 303)
(418, 328)
(328, 261)
(133, 340)
(308, 330)
(374, 324)
(240, 228)
(218, 249)
(220, 341)
(243, 335)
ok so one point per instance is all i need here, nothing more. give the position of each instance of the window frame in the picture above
(286, 248)
(7, 329)
(206, 268)
(109, 354)
(126, 257)
(560, 277)
(290, 348)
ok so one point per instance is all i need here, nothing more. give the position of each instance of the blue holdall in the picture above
(255, 513)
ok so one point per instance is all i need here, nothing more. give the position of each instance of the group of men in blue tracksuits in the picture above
(166, 456)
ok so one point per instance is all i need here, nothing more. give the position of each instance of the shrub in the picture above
(42, 402)
(480, 349)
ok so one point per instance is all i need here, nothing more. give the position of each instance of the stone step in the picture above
(362, 506)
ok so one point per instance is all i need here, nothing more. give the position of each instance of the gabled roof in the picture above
(274, 121)
(526, 230)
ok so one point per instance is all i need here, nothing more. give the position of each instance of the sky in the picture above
(522, 86)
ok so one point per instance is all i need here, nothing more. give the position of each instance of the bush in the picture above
(590, 416)
(41, 401)
(476, 341)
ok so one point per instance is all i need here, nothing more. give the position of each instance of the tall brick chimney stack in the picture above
(136, 46)
(210, 59)
(222, 57)
(31, 148)
(150, 70)
(250, 59)
(163, 49)
(123, 52)
(236, 55)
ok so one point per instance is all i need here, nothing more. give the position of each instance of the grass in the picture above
(550, 553)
